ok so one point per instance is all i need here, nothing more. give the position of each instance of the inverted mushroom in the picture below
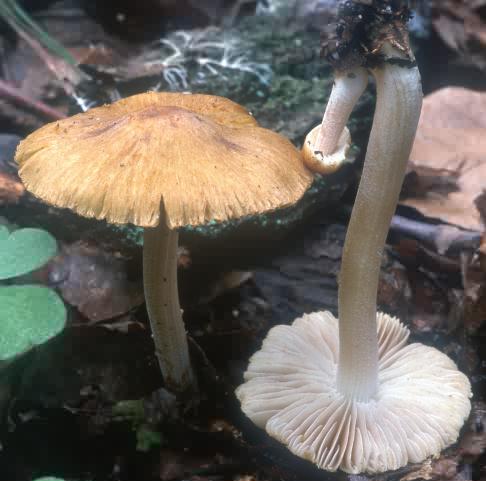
(326, 145)
(353, 395)
(162, 161)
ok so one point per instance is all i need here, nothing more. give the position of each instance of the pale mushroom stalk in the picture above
(352, 394)
(399, 100)
(163, 308)
(348, 87)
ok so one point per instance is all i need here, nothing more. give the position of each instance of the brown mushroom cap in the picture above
(203, 157)
(290, 390)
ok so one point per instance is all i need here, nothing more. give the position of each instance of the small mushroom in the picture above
(352, 395)
(162, 161)
(326, 146)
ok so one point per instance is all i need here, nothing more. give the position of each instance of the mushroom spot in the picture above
(228, 144)
(106, 128)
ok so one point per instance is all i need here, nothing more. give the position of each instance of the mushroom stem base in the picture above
(163, 308)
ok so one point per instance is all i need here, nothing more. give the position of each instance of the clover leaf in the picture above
(48, 479)
(24, 251)
(29, 315)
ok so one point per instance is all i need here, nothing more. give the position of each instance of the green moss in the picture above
(133, 411)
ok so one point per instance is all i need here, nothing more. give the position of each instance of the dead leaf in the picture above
(11, 190)
(424, 472)
(227, 282)
(124, 325)
(482, 254)
(171, 465)
(95, 282)
(474, 282)
(394, 292)
(428, 302)
(8, 145)
(450, 466)
(454, 107)
(183, 257)
(481, 206)
(445, 469)
(449, 158)
(462, 27)
(473, 443)
(94, 54)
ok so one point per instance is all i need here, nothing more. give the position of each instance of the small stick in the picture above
(14, 94)
(444, 238)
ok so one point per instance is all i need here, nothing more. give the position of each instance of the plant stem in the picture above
(348, 87)
(14, 14)
(399, 100)
(162, 299)
(18, 96)
(68, 74)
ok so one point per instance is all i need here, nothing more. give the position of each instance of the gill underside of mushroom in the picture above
(348, 87)
(399, 100)
(163, 308)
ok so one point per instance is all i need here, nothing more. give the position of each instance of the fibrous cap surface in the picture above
(203, 157)
(290, 390)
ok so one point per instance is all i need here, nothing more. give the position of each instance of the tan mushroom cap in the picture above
(325, 164)
(290, 390)
(204, 157)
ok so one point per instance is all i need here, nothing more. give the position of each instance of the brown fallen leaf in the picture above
(95, 54)
(11, 190)
(462, 27)
(448, 157)
(452, 464)
(474, 282)
(481, 206)
(454, 107)
(171, 465)
(95, 281)
(473, 443)
(424, 472)
(227, 282)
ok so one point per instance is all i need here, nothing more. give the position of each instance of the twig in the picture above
(443, 237)
(19, 19)
(62, 64)
(14, 94)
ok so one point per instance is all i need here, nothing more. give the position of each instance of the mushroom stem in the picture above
(164, 311)
(347, 89)
(399, 100)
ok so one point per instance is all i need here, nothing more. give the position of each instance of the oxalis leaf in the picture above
(24, 251)
(29, 315)
(48, 479)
